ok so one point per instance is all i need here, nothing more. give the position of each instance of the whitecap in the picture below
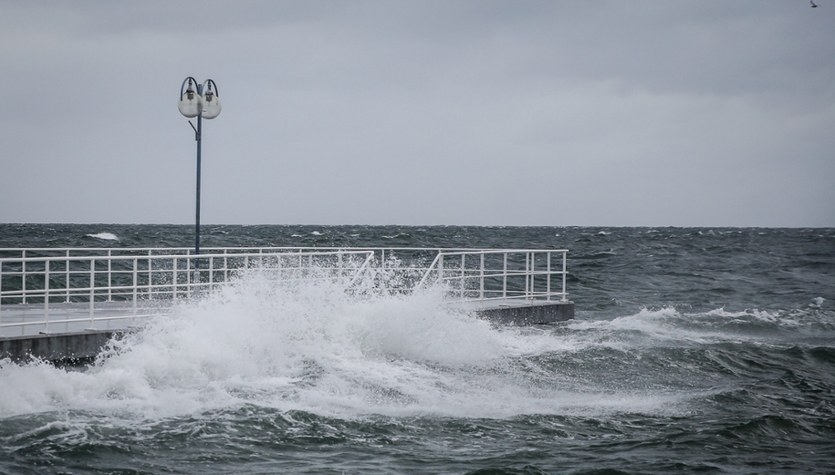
(104, 236)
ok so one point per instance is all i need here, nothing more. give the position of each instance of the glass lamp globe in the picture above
(211, 106)
(190, 104)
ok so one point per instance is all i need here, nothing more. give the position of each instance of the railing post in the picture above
(92, 288)
(23, 277)
(67, 277)
(109, 275)
(527, 274)
(191, 274)
(46, 295)
(548, 275)
(463, 277)
(135, 282)
(226, 267)
(533, 277)
(174, 279)
(211, 271)
(150, 276)
(504, 276)
(564, 254)
(481, 278)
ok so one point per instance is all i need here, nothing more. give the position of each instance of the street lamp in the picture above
(198, 104)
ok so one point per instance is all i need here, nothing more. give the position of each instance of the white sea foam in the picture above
(648, 327)
(669, 326)
(104, 236)
(311, 346)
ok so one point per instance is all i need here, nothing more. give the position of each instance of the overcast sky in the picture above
(616, 113)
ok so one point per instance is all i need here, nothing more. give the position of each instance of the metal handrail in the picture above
(185, 251)
(450, 275)
(86, 283)
(133, 277)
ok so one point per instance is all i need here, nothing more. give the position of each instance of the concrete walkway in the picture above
(36, 319)
(71, 333)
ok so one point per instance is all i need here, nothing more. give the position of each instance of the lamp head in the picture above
(211, 100)
(190, 103)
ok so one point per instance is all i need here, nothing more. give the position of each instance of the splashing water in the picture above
(308, 345)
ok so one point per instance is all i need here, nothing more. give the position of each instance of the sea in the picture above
(693, 350)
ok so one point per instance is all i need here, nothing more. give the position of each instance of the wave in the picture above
(310, 346)
(104, 236)
(670, 325)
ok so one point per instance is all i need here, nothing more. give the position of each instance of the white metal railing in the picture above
(498, 274)
(48, 288)
(65, 292)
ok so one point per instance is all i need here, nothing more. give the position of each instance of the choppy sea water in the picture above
(693, 350)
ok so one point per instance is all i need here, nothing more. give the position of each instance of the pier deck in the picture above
(66, 303)
(74, 339)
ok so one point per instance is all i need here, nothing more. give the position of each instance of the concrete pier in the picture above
(535, 312)
(81, 347)
(64, 304)
(62, 348)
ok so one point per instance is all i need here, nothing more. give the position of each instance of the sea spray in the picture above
(309, 345)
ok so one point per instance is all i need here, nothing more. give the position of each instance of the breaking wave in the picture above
(104, 236)
(310, 346)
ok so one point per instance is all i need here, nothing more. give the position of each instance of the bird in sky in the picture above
(814, 5)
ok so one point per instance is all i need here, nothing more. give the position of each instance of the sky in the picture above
(453, 112)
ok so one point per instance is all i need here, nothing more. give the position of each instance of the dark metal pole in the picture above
(197, 212)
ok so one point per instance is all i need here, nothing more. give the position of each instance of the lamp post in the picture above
(202, 105)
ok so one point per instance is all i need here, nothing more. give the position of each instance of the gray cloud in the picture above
(553, 113)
